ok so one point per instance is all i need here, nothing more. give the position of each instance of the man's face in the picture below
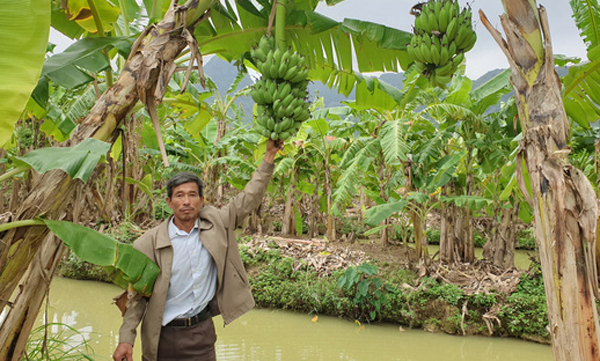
(185, 202)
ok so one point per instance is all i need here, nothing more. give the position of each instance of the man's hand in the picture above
(272, 148)
(124, 351)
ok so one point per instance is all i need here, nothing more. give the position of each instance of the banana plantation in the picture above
(90, 135)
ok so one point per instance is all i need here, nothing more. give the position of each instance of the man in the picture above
(202, 274)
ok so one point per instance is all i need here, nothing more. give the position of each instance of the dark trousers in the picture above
(196, 343)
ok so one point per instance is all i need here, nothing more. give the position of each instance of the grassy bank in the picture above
(382, 289)
(380, 292)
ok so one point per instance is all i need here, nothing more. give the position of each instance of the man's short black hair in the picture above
(181, 178)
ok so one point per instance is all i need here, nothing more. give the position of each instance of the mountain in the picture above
(223, 74)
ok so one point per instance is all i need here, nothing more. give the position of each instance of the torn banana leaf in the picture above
(126, 265)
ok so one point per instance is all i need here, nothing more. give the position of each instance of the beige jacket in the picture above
(217, 227)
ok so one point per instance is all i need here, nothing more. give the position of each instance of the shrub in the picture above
(364, 289)
(526, 240)
(526, 312)
(433, 236)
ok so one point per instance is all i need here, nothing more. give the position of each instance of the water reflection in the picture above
(274, 335)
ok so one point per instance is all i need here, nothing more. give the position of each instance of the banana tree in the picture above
(461, 114)
(562, 198)
(327, 137)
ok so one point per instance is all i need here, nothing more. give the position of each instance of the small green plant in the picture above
(478, 239)
(526, 312)
(364, 289)
(526, 239)
(57, 341)
(433, 236)
(352, 226)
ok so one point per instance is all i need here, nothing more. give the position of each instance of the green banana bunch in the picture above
(281, 93)
(442, 31)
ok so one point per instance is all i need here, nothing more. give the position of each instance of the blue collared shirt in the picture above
(193, 275)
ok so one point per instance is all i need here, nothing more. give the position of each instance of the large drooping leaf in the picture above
(373, 93)
(581, 95)
(90, 14)
(587, 18)
(490, 92)
(445, 170)
(126, 265)
(469, 201)
(357, 159)
(64, 68)
(329, 46)
(24, 29)
(459, 91)
(380, 213)
(77, 162)
(319, 126)
(393, 141)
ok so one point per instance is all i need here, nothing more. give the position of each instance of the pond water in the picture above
(274, 335)
(522, 257)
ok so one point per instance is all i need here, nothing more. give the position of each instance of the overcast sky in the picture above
(486, 54)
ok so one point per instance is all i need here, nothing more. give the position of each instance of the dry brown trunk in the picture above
(313, 214)
(562, 198)
(331, 233)
(446, 233)
(500, 248)
(288, 213)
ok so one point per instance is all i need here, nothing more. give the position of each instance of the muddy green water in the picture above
(522, 257)
(272, 335)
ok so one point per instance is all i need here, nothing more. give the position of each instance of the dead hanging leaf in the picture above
(121, 302)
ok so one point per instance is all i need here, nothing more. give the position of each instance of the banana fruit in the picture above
(281, 94)
(443, 33)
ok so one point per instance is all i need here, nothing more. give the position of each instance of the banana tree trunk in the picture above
(331, 233)
(562, 198)
(288, 222)
(450, 231)
(500, 248)
(144, 76)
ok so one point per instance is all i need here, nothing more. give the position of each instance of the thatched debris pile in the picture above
(317, 254)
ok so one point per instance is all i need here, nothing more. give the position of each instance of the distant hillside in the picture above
(223, 74)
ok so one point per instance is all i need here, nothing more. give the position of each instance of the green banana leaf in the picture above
(78, 161)
(126, 265)
(393, 141)
(445, 169)
(329, 46)
(64, 68)
(379, 213)
(490, 92)
(24, 29)
(581, 94)
(471, 202)
(103, 13)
